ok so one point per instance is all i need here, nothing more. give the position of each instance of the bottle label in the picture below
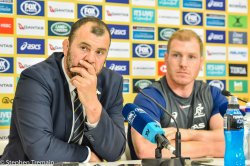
(233, 122)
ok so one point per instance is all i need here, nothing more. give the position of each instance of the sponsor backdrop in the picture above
(30, 30)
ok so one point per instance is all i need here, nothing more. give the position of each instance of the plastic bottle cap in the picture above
(233, 103)
(247, 109)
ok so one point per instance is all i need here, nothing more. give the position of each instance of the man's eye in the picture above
(84, 48)
(100, 52)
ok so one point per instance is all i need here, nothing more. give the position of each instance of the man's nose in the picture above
(183, 61)
(90, 57)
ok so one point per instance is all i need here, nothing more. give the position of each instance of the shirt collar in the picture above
(72, 87)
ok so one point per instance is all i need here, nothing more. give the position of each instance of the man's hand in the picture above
(186, 134)
(94, 158)
(86, 83)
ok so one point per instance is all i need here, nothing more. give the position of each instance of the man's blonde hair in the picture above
(185, 35)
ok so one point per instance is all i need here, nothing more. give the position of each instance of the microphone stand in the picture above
(178, 160)
(227, 93)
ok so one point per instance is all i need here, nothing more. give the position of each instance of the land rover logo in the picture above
(166, 33)
(143, 83)
(60, 28)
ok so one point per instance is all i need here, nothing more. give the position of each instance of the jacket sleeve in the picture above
(219, 100)
(33, 119)
(108, 137)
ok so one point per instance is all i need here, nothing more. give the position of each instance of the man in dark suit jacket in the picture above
(42, 118)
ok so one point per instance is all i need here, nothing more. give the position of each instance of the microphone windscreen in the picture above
(142, 122)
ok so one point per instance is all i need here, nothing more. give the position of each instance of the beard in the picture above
(69, 64)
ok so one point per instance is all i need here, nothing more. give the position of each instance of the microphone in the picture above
(178, 134)
(146, 126)
(227, 93)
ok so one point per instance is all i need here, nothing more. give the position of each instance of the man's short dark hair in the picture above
(98, 28)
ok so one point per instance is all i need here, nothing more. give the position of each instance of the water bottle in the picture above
(247, 132)
(234, 134)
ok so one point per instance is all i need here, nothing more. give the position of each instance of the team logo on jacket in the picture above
(199, 111)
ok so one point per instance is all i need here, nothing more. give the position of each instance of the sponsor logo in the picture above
(165, 33)
(239, 6)
(238, 86)
(192, 18)
(169, 3)
(119, 31)
(238, 53)
(143, 33)
(142, 3)
(6, 8)
(142, 83)
(59, 28)
(24, 63)
(54, 45)
(118, 1)
(215, 5)
(131, 117)
(30, 46)
(6, 85)
(221, 84)
(215, 53)
(143, 68)
(89, 11)
(7, 100)
(119, 50)
(143, 15)
(237, 21)
(162, 68)
(7, 45)
(237, 37)
(126, 86)
(143, 50)
(172, 17)
(60, 9)
(198, 126)
(215, 36)
(118, 14)
(5, 117)
(162, 49)
(197, 4)
(215, 69)
(29, 7)
(6, 65)
(33, 27)
(121, 67)
(6, 25)
(237, 70)
(216, 20)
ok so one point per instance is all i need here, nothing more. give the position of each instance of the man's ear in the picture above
(65, 44)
